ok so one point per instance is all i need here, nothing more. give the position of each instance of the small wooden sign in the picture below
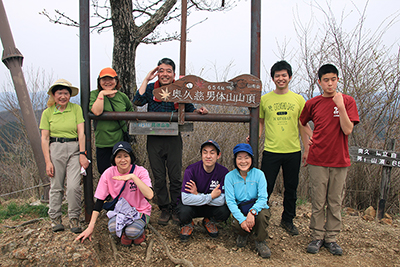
(153, 128)
(243, 90)
(374, 156)
(158, 128)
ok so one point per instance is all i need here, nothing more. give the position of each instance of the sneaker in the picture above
(241, 240)
(314, 246)
(334, 248)
(210, 227)
(186, 231)
(262, 249)
(139, 240)
(56, 224)
(75, 225)
(164, 217)
(125, 241)
(289, 227)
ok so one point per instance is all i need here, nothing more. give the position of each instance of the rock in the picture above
(221, 249)
(36, 203)
(370, 211)
(387, 216)
(8, 248)
(27, 233)
(386, 221)
(368, 218)
(20, 253)
(211, 246)
(351, 212)
(307, 215)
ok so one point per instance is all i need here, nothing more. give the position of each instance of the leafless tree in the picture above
(135, 23)
(18, 169)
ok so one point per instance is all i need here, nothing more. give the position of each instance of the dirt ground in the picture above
(365, 243)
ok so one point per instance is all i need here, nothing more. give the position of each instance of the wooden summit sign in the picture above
(243, 91)
(374, 156)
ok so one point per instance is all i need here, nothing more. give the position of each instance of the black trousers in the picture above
(217, 213)
(165, 155)
(290, 163)
(103, 156)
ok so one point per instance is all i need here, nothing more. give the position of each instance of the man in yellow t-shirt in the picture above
(279, 115)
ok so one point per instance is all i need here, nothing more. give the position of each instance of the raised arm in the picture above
(150, 76)
(345, 123)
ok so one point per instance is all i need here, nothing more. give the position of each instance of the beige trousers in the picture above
(65, 159)
(326, 184)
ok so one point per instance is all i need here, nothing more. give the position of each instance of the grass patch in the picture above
(15, 211)
(301, 201)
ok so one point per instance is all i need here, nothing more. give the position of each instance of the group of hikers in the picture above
(208, 190)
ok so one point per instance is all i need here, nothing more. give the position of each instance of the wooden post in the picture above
(385, 184)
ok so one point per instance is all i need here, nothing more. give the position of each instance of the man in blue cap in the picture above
(202, 193)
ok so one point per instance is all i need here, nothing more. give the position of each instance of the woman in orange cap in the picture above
(107, 97)
(63, 146)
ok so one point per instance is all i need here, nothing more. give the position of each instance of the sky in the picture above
(222, 40)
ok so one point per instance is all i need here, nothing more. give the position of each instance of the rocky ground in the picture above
(365, 243)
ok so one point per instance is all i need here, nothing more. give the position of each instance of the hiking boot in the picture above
(334, 248)
(241, 240)
(314, 246)
(186, 231)
(262, 249)
(75, 225)
(289, 227)
(125, 241)
(56, 224)
(139, 240)
(164, 217)
(210, 227)
(175, 217)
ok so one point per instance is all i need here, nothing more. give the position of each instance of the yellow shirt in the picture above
(281, 117)
(62, 124)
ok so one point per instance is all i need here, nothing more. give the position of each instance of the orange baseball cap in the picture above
(107, 72)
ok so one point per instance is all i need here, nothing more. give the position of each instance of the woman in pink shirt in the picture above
(133, 185)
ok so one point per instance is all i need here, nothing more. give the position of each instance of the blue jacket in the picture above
(238, 190)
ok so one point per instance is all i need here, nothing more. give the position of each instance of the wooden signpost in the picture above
(243, 90)
(388, 159)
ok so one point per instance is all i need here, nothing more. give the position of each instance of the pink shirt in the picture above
(108, 186)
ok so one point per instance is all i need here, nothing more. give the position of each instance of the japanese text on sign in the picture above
(373, 156)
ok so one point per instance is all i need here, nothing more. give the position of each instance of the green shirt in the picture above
(107, 133)
(281, 117)
(62, 124)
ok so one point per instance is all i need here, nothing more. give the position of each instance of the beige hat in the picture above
(62, 82)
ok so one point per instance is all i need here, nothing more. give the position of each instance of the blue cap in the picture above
(122, 145)
(243, 147)
(211, 142)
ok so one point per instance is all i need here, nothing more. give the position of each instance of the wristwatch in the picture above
(253, 211)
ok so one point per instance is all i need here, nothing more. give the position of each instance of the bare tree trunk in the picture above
(127, 37)
(125, 44)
